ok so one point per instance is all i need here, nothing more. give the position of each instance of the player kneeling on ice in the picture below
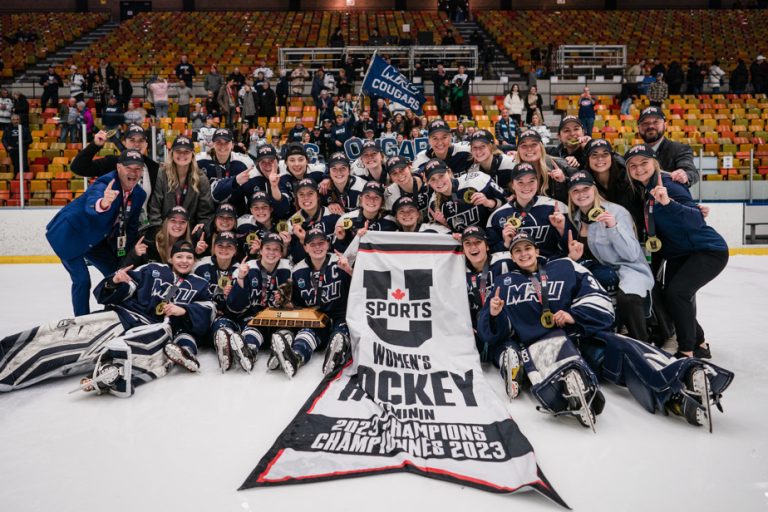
(261, 284)
(321, 282)
(557, 304)
(122, 346)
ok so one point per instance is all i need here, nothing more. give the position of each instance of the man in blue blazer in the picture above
(99, 226)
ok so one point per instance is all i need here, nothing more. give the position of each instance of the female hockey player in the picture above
(320, 281)
(370, 165)
(259, 284)
(371, 215)
(455, 155)
(225, 219)
(295, 167)
(458, 203)
(251, 229)
(675, 228)
(409, 220)
(181, 183)
(405, 183)
(157, 248)
(552, 171)
(221, 163)
(606, 234)
(310, 214)
(123, 345)
(540, 216)
(489, 159)
(343, 190)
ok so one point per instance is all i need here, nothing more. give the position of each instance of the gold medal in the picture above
(224, 281)
(515, 222)
(653, 244)
(251, 238)
(468, 194)
(347, 224)
(160, 307)
(282, 226)
(111, 133)
(573, 142)
(297, 219)
(547, 319)
(594, 213)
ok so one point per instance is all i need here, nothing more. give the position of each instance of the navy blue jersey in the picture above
(347, 198)
(261, 289)
(500, 171)
(460, 213)
(480, 282)
(209, 269)
(288, 182)
(380, 223)
(420, 194)
(246, 225)
(459, 158)
(323, 218)
(569, 287)
(149, 287)
(326, 289)
(222, 178)
(535, 219)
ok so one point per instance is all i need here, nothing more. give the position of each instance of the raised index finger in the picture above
(570, 236)
(140, 240)
(498, 291)
(109, 185)
(661, 184)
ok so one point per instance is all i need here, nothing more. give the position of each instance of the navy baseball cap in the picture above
(266, 151)
(404, 202)
(595, 144)
(182, 246)
(226, 210)
(474, 232)
(521, 237)
(272, 238)
(580, 178)
(182, 142)
(568, 119)
(338, 158)
(306, 183)
(375, 187)
(437, 126)
(222, 134)
(226, 237)
(639, 150)
(522, 169)
(315, 233)
(529, 134)
(295, 148)
(131, 157)
(178, 211)
(370, 145)
(134, 130)
(651, 112)
(259, 197)
(435, 166)
(395, 163)
(482, 136)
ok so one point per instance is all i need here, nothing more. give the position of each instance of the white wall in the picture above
(22, 232)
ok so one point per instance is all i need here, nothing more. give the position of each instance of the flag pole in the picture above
(365, 77)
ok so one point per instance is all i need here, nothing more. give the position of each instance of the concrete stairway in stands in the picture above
(502, 65)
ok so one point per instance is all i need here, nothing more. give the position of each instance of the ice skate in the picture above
(511, 370)
(288, 359)
(223, 349)
(337, 354)
(575, 393)
(102, 380)
(694, 402)
(241, 350)
(182, 357)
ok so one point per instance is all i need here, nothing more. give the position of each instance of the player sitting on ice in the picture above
(261, 284)
(320, 281)
(539, 313)
(122, 346)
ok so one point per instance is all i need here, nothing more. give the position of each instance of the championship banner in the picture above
(414, 397)
(386, 81)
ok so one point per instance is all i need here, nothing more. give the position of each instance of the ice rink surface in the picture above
(186, 442)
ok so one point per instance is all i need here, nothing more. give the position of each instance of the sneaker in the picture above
(337, 354)
(286, 356)
(512, 372)
(576, 394)
(182, 357)
(242, 351)
(702, 352)
(223, 350)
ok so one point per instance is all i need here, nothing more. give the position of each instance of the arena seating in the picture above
(663, 35)
(151, 43)
(54, 31)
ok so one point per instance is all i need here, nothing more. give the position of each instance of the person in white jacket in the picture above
(715, 77)
(606, 233)
(514, 103)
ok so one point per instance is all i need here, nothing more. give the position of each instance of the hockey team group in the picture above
(580, 263)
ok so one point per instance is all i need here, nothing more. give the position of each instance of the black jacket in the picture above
(674, 155)
(84, 165)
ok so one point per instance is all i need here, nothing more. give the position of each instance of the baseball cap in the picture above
(135, 129)
(568, 119)
(295, 148)
(226, 237)
(639, 150)
(436, 126)
(580, 178)
(595, 144)
(529, 134)
(522, 169)
(651, 112)
(272, 238)
(521, 237)
(182, 142)
(482, 136)
(178, 211)
(474, 232)
(266, 151)
(306, 183)
(315, 233)
(182, 246)
(226, 210)
(370, 145)
(395, 163)
(435, 166)
(259, 197)
(338, 158)
(131, 157)
(222, 134)
(404, 202)
(375, 187)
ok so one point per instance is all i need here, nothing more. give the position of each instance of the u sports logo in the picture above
(409, 308)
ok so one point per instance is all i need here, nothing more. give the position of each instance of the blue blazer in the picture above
(78, 227)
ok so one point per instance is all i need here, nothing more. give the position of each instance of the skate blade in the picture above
(701, 387)
(278, 348)
(584, 410)
(237, 343)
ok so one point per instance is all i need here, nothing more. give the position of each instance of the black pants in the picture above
(630, 312)
(684, 277)
(49, 96)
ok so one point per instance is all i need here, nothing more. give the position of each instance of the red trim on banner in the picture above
(337, 377)
(269, 466)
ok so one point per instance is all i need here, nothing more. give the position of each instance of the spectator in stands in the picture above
(237, 77)
(68, 119)
(635, 71)
(739, 78)
(382, 115)
(658, 92)
(347, 105)
(657, 68)
(537, 125)
(86, 117)
(124, 90)
(185, 71)
(573, 140)
(337, 39)
(459, 134)
(21, 107)
(448, 39)
(247, 105)
(298, 77)
(107, 74)
(398, 124)
(318, 84)
(700, 78)
(363, 124)
(205, 135)
(182, 183)
(692, 77)
(135, 113)
(587, 106)
(90, 77)
(159, 90)
(282, 91)
(211, 104)
(626, 95)
(533, 103)
(297, 132)
(674, 77)
(256, 138)
(11, 142)
(513, 102)
(343, 84)
(99, 93)
(51, 81)
(439, 76)
(267, 101)
(213, 80)
(758, 72)
(184, 95)
(264, 70)
(227, 101)
(674, 157)
(76, 84)
(342, 131)
(715, 76)
(506, 129)
(325, 107)
(112, 117)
